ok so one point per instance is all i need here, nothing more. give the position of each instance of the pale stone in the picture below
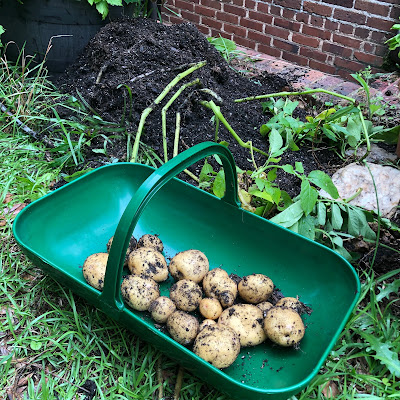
(377, 153)
(354, 177)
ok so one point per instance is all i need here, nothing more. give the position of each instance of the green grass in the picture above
(52, 342)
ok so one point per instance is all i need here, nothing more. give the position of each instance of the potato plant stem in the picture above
(164, 113)
(365, 129)
(218, 115)
(158, 100)
(283, 94)
(177, 133)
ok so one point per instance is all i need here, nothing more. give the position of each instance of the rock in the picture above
(354, 176)
(377, 154)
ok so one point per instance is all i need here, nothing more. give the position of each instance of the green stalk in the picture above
(164, 113)
(366, 136)
(158, 100)
(218, 115)
(177, 133)
(282, 94)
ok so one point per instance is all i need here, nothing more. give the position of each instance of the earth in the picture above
(130, 62)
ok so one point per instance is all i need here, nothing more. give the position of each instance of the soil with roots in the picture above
(129, 63)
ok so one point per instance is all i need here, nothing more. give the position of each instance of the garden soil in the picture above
(130, 62)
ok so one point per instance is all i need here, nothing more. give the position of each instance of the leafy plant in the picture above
(394, 42)
(226, 47)
(2, 30)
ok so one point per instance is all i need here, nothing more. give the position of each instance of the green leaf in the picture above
(336, 219)
(262, 195)
(290, 106)
(219, 184)
(358, 224)
(383, 352)
(275, 141)
(298, 167)
(306, 227)
(321, 213)
(323, 181)
(260, 183)
(271, 176)
(392, 287)
(308, 196)
(342, 112)
(289, 216)
(264, 130)
(35, 345)
(288, 168)
(102, 8)
(114, 2)
(205, 172)
(354, 130)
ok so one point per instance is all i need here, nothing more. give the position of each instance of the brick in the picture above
(240, 11)
(317, 8)
(295, 4)
(345, 74)
(379, 37)
(250, 4)
(369, 47)
(175, 20)
(362, 33)
(204, 29)
(346, 29)
(316, 32)
(235, 30)
(208, 12)
(233, 19)
(251, 24)
(305, 40)
(274, 10)
(212, 4)
(260, 17)
(287, 24)
(188, 16)
(303, 17)
(317, 21)
(239, 3)
(347, 41)
(295, 58)
(350, 16)
(351, 65)
(221, 33)
(380, 50)
(275, 31)
(282, 45)
(323, 67)
(395, 13)
(335, 49)
(372, 7)
(369, 59)
(263, 7)
(379, 23)
(331, 25)
(258, 37)
(288, 14)
(313, 54)
(250, 44)
(341, 3)
(184, 5)
(212, 23)
(271, 51)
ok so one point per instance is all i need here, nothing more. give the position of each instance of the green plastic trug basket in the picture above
(58, 232)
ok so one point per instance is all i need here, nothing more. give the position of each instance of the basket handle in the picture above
(111, 296)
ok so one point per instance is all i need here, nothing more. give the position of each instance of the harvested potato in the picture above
(152, 241)
(284, 326)
(291, 302)
(246, 320)
(139, 291)
(189, 264)
(147, 261)
(206, 322)
(161, 308)
(182, 327)
(186, 295)
(264, 307)
(94, 269)
(255, 288)
(217, 344)
(131, 246)
(210, 308)
(217, 284)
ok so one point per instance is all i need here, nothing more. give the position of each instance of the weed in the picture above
(226, 47)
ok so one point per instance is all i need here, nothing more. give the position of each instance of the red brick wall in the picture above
(333, 36)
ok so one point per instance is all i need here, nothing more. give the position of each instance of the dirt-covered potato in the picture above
(139, 291)
(264, 307)
(206, 322)
(246, 320)
(210, 308)
(217, 344)
(284, 326)
(131, 246)
(217, 284)
(152, 241)
(161, 308)
(255, 288)
(182, 327)
(147, 261)
(94, 269)
(189, 264)
(291, 302)
(186, 295)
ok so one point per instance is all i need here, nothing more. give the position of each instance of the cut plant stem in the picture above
(283, 94)
(177, 133)
(164, 113)
(218, 115)
(178, 384)
(160, 97)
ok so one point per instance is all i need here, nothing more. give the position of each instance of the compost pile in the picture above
(145, 56)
